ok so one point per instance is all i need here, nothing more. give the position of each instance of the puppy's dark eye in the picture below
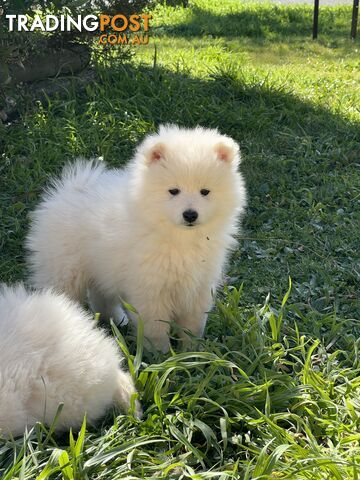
(204, 192)
(174, 191)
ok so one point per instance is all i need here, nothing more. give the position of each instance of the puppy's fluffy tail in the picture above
(78, 176)
(58, 231)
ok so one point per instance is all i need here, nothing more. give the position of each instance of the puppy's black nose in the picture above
(190, 216)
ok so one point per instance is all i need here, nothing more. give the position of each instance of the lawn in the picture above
(274, 388)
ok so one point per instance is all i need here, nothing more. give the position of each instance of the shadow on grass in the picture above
(261, 22)
(299, 162)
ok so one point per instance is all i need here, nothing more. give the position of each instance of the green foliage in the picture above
(242, 406)
(273, 389)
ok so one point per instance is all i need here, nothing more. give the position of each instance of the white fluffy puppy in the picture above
(51, 353)
(155, 234)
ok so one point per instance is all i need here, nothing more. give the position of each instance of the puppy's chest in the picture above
(184, 264)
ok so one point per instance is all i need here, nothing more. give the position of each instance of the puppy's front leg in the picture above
(193, 318)
(107, 307)
(156, 333)
(156, 316)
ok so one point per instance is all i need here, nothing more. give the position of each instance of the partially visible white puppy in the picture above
(155, 234)
(51, 353)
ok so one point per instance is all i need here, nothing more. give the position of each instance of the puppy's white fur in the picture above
(123, 235)
(51, 353)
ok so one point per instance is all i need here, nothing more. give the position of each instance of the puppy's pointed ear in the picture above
(155, 153)
(228, 151)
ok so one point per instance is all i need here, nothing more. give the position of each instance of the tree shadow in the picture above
(261, 22)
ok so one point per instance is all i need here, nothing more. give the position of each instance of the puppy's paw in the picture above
(119, 316)
(125, 389)
(162, 344)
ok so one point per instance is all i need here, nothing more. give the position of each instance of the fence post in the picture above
(355, 14)
(316, 19)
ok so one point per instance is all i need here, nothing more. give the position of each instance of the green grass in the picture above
(274, 388)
